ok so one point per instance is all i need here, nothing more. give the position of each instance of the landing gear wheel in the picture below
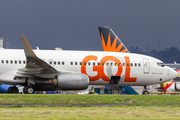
(9, 90)
(145, 93)
(28, 90)
(13, 90)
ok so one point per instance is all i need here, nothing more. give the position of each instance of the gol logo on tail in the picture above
(100, 68)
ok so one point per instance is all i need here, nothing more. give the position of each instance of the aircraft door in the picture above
(146, 66)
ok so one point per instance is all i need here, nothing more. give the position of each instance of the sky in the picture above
(73, 24)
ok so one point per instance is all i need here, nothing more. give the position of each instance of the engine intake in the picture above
(177, 86)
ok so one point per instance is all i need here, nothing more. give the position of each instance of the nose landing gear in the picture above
(145, 91)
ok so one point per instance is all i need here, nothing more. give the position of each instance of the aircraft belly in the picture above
(2, 71)
(8, 78)
(98, 82)
(143, 80)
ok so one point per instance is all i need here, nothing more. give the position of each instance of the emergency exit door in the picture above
(146, 66)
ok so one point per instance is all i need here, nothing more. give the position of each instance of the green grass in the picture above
(141, 110)
(99, 113)
(69, 99)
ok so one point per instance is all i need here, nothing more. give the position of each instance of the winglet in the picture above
(32, 60)
(27, 48)
(110, 41)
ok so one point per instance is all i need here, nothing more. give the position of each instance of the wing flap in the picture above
(47, 75)
(30, 69)
(23, 76)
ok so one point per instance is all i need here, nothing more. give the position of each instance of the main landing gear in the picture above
(28, 90)
(145, 92)
(13, 89)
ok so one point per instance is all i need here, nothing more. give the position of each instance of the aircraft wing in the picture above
(35, 67)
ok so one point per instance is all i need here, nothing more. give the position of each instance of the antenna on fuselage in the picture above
(1, 42)
(7, 43)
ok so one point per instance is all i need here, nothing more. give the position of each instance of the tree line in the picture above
(169, 55)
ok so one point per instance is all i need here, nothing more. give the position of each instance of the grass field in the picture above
(120, 112)
(62, 98)
(130, 111)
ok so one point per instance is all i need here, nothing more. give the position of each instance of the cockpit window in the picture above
(161, 64)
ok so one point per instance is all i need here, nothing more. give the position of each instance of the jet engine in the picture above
(70, 81)
(177, 86)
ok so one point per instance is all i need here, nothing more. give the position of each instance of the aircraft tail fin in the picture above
(110, 41)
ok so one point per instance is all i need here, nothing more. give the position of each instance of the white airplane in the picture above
(49, 70)
(112, 43)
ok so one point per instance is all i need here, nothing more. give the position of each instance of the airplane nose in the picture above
(173, 74)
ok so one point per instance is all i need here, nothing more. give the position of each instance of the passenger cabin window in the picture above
(139, 64)
(80, 63)
(102, 64)
(11, 62)
(89, 63)
(98, 63)
(94, 63)
(127, 64)
(19, 62)
(84, 63)
(107, 64)
(123, 64)
(119, 64)
(50, 62)
(54, 62)
(161, 64)
(111, 64)
(2, 61)
(62, 62)
(71, 63)
(135, 64)
(115, 64)
(75, 63)
(7, 61)
(131, 64)
(24, 62)
(15, 61)
(58, 63)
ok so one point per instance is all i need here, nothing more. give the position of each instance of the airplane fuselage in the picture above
(101, 67)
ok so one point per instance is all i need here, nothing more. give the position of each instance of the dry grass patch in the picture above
(133, 112)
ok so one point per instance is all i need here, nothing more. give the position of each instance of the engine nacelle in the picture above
(177, 86)
(72, 81)
(69, 81)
